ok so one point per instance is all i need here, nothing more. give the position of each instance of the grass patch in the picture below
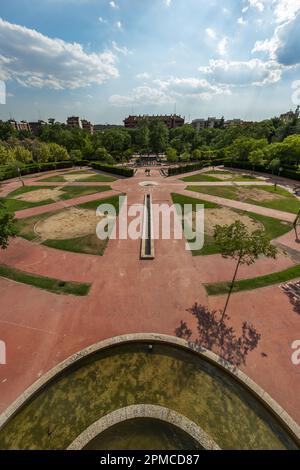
(70, 192)
(88, 244)
(255, 282)
(212, 176)
(273, 228)
(288, 202)
(14, 205)
(47, 283)
(77, 191)
(90, 178)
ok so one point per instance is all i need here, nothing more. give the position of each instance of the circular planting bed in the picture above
(67, 224)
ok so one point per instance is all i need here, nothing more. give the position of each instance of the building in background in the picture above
(87, 126)
(199, 124)
(36, 127)
(74, 121)
(209, 123)
(212, 122)
(23, 126)
(172, 121)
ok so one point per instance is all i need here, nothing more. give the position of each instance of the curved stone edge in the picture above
(280, 413)
(144, 411)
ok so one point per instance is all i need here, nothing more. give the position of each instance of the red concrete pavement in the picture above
(128, 295)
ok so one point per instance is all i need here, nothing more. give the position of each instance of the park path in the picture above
(244, 206)
(61, 204)
(129, 295)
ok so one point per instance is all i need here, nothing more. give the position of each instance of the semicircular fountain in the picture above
(189, 394)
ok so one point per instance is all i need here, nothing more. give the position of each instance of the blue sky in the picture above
(103, 59)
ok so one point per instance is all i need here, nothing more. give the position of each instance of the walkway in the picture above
(128, 295)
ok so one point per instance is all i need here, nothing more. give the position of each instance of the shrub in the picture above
(122, 171)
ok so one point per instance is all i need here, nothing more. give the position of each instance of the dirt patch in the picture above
(77, 177)
(222, 176)
(70, 223)
(256, 194)
(41, 195)
(226, 216)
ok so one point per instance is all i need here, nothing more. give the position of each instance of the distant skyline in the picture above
(102, 59)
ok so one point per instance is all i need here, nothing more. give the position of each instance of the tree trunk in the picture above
(230, 290)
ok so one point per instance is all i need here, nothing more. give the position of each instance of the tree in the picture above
(7, 226)
(185, 157)
(256, 157)
(236, 242)
(171, 155)
(197, 154)
(22, 155)
(40, 152)
(6, 131)
(58, 153)
(274, 165)
(159, 135)
(142, 137)
(76, 155)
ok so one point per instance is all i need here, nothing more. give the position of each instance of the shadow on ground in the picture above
(218, 336)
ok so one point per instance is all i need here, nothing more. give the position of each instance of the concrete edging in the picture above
(280, 413)
(144, 411)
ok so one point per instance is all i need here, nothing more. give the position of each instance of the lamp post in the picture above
(20, 176)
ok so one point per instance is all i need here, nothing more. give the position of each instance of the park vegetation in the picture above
(269, 144)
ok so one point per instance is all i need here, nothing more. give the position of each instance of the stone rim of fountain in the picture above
(159, 413)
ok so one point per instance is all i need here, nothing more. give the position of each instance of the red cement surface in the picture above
(41, 329)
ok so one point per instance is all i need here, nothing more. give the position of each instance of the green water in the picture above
(128, 374)
(143, 434)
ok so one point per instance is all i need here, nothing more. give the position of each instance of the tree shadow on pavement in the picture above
(219, 337)
(292, 290)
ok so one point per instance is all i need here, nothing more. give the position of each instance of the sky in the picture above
(104, 59)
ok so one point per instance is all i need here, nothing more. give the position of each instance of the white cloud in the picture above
(223, 46)
(141, 95)
(102, 20)
(164, 91)
(190, 87)
(143, 76)
(35, 60)
(241, 21)
(242, 73)
(211, 33)
(119, 25)
(283, 45)
(286, 10)
(114, 5)
(121, 49)
(258, 4)
(167, 2)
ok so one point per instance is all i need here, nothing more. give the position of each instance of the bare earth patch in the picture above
(41, 195)
(222, 176)
(256, 194)
(226, 216)
(70, 223)
(78, 177)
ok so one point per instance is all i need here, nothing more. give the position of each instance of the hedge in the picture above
(245, 165)
(82, 163)
(116, 170)
(193, 167)
(12, 172)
